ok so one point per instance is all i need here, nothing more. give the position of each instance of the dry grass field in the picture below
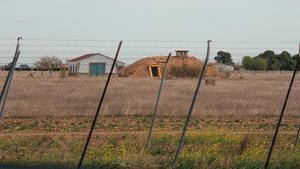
(243, 94)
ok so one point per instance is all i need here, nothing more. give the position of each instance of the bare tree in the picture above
(48, 63)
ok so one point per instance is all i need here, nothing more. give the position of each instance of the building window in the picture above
(73, 68)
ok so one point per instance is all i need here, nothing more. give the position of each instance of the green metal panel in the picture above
(97, 69)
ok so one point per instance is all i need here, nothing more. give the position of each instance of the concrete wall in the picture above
(224, 68)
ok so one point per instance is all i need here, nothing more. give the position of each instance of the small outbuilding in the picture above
(94, 64)
(223, 67)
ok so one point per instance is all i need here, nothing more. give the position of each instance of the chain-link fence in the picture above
(37, 92)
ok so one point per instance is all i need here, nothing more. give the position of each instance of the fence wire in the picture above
(39, 93)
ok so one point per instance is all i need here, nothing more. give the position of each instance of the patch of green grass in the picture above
(201, 150)
(214, 147)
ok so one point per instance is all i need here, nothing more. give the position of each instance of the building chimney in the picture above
(182, 53)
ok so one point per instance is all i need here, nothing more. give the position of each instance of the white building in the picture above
(94, 64)
(224, 68)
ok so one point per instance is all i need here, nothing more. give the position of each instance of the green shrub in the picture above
(259, 64)
(185, 71)
(255, 63)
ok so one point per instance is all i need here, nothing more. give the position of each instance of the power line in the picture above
(156, 41)
(257, 42)
(157, 47)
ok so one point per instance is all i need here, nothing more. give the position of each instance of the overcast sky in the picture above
(188, 20)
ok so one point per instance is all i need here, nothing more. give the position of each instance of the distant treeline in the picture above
(43, 64)
(35, 69)
(270, 61)
(267, 60)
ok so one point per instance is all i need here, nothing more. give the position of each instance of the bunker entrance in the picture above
(154, 70)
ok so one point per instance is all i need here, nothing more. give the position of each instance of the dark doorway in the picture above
(154, 71)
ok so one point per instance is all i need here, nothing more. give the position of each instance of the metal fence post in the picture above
(6, 91)
(298, 134)
(281, 115)
(99, 106)
(192, 105)
(157, 100)
(9, 76)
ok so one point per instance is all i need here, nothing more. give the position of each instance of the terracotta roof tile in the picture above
(82, 57)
